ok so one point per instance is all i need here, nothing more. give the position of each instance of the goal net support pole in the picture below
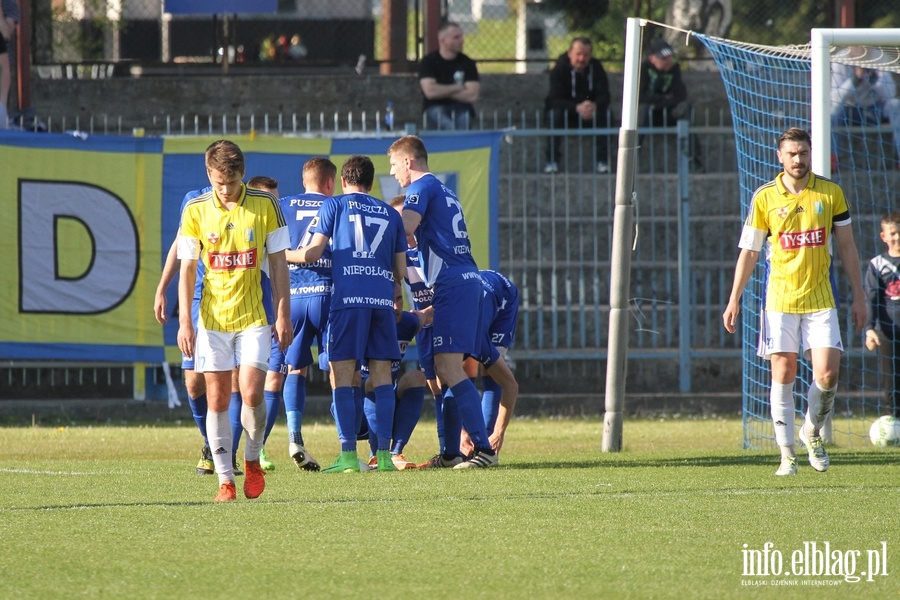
(623, 226)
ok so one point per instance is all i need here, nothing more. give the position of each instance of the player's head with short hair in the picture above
(358, 170)
(410, 146)
(266, 184)
(794, 134)
(225, 157)
(397, 201)
(318, 172)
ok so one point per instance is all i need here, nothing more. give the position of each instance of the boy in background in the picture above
(882, 285)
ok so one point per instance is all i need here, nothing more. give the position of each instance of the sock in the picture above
(819, 403)
(360, 413)
(345, 417)
(234, 415)
(253, 418)
(218, 431)
(469, 402)
(407, 415)
(372, 420)
(781, 400)
(385, 406)
(452, 425)
(490, 402)
(294, 394)
(273, 404)
(198, 410)
(439, 418)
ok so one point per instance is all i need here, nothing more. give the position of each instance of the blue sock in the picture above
(294, 404)
(407, 415)
(273, 404)
(360, 413)
(385, 405)
(372, 420)
(439, 418)
(234, 416)
(345, 417)
(452, 424)
(198, 410)
(490, 402)
(469, 402)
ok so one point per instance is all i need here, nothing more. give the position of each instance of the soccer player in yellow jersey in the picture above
(240, 235)
(795, 217)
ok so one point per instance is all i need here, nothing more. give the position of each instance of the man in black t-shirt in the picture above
(449, 82)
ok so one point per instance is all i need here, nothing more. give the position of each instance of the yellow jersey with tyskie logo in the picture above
(796, 232)
(233, 246)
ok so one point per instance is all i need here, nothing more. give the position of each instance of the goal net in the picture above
(770, 89)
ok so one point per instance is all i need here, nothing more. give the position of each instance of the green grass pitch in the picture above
(682, 512)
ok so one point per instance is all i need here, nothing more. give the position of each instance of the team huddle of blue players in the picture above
(348, 258)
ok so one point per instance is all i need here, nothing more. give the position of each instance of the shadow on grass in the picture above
(838, 458)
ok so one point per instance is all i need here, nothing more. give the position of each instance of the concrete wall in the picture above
(191, 91)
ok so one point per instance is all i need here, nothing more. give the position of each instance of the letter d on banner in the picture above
(113, 268)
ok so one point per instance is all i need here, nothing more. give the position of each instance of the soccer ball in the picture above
(885, 431)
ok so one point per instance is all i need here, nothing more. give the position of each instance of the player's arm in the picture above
(310, 253)
(746, 263)
(281, 298)
(399, 266)
(850, 260)
(411, 220)
(501, 373)
(170, 269)
(186, 333)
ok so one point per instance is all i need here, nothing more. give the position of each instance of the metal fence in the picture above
(554, 241)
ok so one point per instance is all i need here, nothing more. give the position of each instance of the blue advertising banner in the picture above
(219, 7)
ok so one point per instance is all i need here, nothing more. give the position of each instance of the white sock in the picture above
(819, 403)
(254, 421)
(218, 432)
(781, 401)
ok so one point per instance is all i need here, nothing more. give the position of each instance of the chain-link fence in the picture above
(502, 35)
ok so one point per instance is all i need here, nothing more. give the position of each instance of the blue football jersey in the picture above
(415, 277)
(365, 235)
(201, 269)
(442, 236)
(498, 290)
(307, 279)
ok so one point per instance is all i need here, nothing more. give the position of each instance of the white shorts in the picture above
(793, 332)
(220, 351)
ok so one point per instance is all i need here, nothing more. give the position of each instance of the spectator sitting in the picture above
(864, 97)
(663, 97)
(579, 97)
(449, 82)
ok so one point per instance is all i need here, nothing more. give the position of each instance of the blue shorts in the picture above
(358, 333)
(426, 352)
(453, 328)
(309, 316)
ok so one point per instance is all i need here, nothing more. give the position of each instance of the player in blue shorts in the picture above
(311, 287)
(194, 383)
(368, 254)
(500, 311)
(409, 389)
(434, 215)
